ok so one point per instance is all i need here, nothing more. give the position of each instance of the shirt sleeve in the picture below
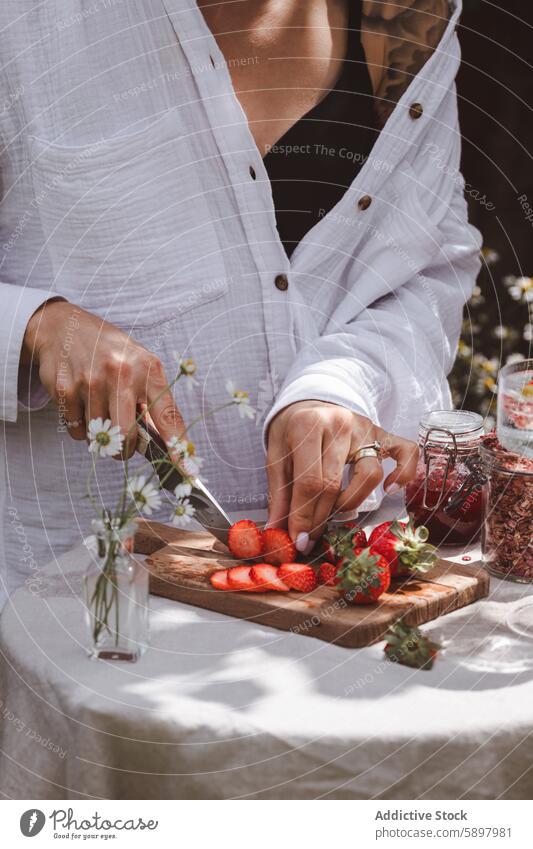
(389, 362)
(21, 388)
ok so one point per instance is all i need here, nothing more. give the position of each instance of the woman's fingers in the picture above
(368, 471)
(163, 411)
(367, 475)
(309, 443)
(307, 484)
(96, 401)
(405, 453)
(166, 417)
(335, 448)
(123, 412)
(74, 413)
(109, 373)
(278, 469)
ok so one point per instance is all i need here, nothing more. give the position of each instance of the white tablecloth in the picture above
(222, 708)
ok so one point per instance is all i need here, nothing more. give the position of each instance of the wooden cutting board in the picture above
(180, 563)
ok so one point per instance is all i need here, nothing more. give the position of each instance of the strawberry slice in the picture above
(240, 578)
(298, 576)
(245, 540)
(219, 580)
(266, 577)
(278, 547)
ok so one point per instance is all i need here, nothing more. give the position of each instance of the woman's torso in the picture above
(127, 187)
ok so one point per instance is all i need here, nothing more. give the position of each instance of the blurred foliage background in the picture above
(495, 88)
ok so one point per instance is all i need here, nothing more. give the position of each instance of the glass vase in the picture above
(116, 595)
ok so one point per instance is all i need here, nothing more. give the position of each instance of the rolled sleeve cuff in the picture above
(318, 387)
(18, 306)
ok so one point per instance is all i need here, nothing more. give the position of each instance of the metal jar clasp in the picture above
(451, 451)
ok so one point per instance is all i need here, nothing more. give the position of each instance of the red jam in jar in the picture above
(447, 493)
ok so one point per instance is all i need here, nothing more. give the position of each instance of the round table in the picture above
(223, 708)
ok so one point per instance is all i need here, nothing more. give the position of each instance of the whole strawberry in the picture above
(405, 547)
(410, 647)
(365, 575)
(328, 574)
(340, 539)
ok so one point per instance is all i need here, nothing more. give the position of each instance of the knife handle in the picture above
(143, 440)
(148, 437)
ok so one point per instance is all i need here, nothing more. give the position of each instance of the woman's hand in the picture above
(91, 368)
(308, 446)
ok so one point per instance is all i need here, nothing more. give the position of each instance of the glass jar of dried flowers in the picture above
(507, 538)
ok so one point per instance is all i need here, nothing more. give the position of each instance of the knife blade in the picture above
(208, 511)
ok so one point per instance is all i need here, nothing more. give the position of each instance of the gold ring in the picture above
(373, 449)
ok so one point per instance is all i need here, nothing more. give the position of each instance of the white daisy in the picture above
(514, 358)
(476, 298)
(502, 331)
(187, 368)
(183, 513)
(490, 256)
(91, 543)
(146, 496)
(183, 489)
(241, 400)
(179, 447)
(520, 288)
(104, 440)
(183, 454)
(191, 465)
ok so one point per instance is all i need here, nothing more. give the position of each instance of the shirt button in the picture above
(281, 282)
(364, 202)
(252, 172)
(416, 110)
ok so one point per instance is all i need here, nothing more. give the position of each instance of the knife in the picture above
(208, 511)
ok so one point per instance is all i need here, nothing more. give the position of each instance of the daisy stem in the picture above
(100, 602)
(88, 486)
(207, 415)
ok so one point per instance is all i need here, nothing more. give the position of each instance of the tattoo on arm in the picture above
(409, 32)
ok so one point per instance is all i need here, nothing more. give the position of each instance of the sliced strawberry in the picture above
(328, 574)
(219, 580)
(239, 578)
(298, 576)
(266, 577)
(245, 540)
(278, 547)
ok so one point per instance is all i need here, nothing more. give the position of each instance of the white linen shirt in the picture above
(132, 186)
